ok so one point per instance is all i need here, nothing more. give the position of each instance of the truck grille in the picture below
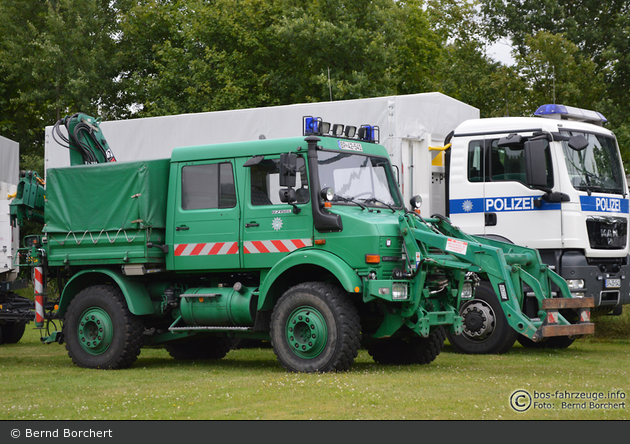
(607, 233)
(391, 254)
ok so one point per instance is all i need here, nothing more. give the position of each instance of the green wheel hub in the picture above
(306, 332)
(95, 331)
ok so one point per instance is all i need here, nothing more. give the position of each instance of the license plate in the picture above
(613, 283)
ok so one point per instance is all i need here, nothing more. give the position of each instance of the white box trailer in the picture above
(9, 236)
(408, 126)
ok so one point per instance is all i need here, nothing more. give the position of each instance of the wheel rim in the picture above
(95, 331)
(306, 332)
(479, 320)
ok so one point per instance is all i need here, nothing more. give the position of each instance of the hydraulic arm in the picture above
(515, 272)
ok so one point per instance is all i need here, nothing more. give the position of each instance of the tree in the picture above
(557, 72)
(54, 59)
(464, 71)
(598, 29)
(195, 56)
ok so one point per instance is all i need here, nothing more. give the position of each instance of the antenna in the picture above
(554, 83)
(329, 85)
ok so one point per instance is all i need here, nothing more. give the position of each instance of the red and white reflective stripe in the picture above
(207, 249)
(552, 317)
(275, 246)
(38, 285)
(585, 316)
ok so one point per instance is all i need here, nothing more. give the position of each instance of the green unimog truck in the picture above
(304, 242)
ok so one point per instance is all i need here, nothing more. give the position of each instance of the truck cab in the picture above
(554, 182)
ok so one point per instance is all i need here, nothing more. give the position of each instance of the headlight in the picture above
(400, 291)
(575, 284)
(467, 290)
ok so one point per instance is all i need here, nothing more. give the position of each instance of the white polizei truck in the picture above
(553, 182)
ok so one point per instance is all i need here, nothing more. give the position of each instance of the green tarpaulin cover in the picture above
(107, 197)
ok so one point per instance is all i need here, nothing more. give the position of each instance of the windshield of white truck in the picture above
(358, 179)
(597, 167)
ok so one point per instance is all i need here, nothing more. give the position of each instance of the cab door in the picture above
(272, 228)
(513, 209)
(468, 173)
(206, 217)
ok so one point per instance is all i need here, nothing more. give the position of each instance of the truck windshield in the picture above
(360, 179)
(597, 167)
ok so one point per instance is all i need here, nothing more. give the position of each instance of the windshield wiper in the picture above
(375, 200)
(345, 199)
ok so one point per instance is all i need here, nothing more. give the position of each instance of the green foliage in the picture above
(135, 58)
(593, 60)
(557, 72)
(613, 327)
(53, 60)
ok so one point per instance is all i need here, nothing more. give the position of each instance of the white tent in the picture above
(408, 125)
(410, 116)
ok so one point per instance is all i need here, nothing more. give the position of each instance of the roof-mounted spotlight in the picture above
(337, 130)
(350, 131)
(369, 133)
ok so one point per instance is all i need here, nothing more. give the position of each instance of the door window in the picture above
(208, 186)
(265, 179)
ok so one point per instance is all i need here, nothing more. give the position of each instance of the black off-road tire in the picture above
(501, 337)
(315, 328)
(99, 330)
(12, 332)
(205, 348)
(408, 350)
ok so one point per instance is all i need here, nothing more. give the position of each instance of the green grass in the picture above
(613, 327)
(41, 383)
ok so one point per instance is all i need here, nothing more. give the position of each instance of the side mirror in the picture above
(287, 195)
(578, 143)
(288, 169)
(535, 163)
(514, 141)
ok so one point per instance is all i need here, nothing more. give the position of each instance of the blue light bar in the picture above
(312, 125)
(546, 110)
(570, 113)
(315, 126)
(369, 133)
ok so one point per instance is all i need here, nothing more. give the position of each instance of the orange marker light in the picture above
(372, 259)
(320, 242)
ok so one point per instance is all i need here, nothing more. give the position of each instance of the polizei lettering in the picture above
(607, 204)
(509, 204)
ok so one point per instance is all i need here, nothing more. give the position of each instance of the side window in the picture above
(476, 161)
(208, 186)
(265, 183)
(508, 164)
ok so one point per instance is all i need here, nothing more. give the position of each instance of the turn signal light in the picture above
(372, 259)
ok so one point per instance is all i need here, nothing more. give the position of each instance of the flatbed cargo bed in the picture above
(106, 213)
